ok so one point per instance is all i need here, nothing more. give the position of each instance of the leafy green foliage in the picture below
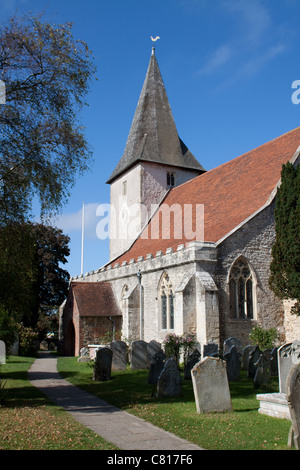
(47, 74)
(31, 277)
(285, 265)
(263, 338)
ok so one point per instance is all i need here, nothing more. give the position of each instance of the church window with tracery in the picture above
(241, 291)
(167, 303)
(170, 179)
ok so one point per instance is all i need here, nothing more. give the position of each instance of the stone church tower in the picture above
(154, 160)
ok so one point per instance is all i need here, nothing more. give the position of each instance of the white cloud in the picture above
(219, 57)
(72, 222)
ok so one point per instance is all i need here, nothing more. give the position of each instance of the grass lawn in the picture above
(242, 429)
(29, 421)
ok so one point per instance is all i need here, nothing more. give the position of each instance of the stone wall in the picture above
(253, 241)
(291, 322)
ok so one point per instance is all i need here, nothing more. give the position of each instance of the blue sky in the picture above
(228, 68)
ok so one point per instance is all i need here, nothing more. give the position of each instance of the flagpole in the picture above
(82, 238)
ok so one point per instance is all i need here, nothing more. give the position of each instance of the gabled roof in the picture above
(95, 299)
(153, 135)
(230, 193)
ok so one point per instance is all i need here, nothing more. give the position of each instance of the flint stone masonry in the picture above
(210, 385)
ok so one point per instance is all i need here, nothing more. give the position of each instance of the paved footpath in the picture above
(126, 431)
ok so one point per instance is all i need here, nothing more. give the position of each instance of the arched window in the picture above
(166, 297)
(241, 290)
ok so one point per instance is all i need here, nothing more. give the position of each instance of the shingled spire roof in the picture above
(153, 135)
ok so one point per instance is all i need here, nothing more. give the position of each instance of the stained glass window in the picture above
(241, 291)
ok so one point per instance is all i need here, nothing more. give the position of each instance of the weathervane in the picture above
(153, 41)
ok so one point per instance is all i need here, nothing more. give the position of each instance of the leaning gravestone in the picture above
(247, 350)
(253, 358)
(263, 369)
(2, 352)
(153, 347)
(210, 349)
(119, 359)
(233, 363)
(169, 381)
(156, 367)
(210, 385)
(192, 359)
(232, 341)
(293, 399)
(139, 355)
(84, 355)
(288, 355)
(102, 365)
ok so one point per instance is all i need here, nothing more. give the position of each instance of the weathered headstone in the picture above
(253, 358)
(84, 355)
(274, 362)
(119, 360)
(153, 347)
(263, 369)
(233, 363)
(210, 349)
(2, 352)
(210, 385)
(156, 366)
(293, 399)
(102, 365)
(139, 355)
(192, 359)
(169, 381)
(232, 341)
(288, 355)
(247, 350)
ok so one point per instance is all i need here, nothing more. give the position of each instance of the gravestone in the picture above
(169, 381)
(263, 369)
(233, 363)
(253, 358)
(103, 363)
(84, 355)
(210, 349)
(156, 367)
(232, 341)
(293, 399)
(288, 355)
(247, 350)
(153, 347)
(274, 362)
(192, 359)
(2, 352)
(119, 359)
(139, 355)
(210, 385)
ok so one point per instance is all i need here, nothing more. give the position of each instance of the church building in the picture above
(190, 249)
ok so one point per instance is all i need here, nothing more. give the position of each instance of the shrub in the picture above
(263, 338)
(7, 328)
(174, 345)
(28, 340)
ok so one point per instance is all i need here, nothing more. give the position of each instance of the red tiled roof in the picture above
(230, 194)
(95, 299)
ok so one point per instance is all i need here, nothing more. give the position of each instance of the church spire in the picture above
(153, 135)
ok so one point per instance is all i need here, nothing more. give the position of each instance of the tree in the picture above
(285, 266)
(32, 281)
(47, 74)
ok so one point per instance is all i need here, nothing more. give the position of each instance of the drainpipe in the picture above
(114, 327)
(139, 276)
